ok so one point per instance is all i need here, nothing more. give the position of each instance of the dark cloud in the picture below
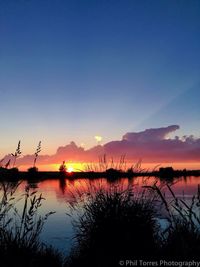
(151, 145)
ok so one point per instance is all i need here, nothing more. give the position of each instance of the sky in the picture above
(151, 147)
(71, 70)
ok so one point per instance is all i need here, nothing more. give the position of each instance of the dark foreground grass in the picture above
(181, 238)
(19, 231)
(119, 225)
(115, 225)
(112, 225)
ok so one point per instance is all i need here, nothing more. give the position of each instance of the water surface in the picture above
(60, 195)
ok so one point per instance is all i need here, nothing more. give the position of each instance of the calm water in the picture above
(58, 230)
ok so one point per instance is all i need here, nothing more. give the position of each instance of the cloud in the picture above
(70, 152)
(150, 134)
(150, 145)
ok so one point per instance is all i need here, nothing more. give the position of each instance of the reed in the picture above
(17, 153)
(117, 222)
(121, 223)
(38, 150)
(114, 223)
(181, 238)
(20, 230)
(106, 163)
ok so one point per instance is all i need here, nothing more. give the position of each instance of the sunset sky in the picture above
(73, 70)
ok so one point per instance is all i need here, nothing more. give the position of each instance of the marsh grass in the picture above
(181, 238)
(106, 163)
(20, 230)
(114, 223)
(121, 223)
(38, 150)
(17, 153)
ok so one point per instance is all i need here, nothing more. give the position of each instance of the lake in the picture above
(60, 195)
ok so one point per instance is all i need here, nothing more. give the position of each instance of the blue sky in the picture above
(70, 70)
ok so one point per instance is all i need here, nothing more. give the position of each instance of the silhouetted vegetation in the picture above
(113, 224)
(20, 230)
(106, 168)
(38, 150)
(32, 170)
(119, 224)
(181, 239)
(63, 167)
(17, 153)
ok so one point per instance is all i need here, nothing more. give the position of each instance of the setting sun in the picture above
(70, 169)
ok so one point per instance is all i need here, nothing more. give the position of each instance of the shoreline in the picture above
(163, 173)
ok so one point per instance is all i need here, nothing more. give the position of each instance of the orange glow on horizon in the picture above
(94, 166)
(70, 169)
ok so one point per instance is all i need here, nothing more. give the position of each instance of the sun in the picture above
(70, 166)
(70, 169)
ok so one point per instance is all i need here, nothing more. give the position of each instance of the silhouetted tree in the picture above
(63, 167)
